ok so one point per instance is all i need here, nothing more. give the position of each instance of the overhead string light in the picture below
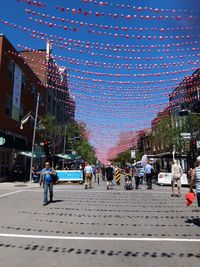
(116, 15)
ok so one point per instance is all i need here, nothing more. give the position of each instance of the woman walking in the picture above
(195, 179)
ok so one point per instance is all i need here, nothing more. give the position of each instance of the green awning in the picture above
(68, 156)
(29, 154)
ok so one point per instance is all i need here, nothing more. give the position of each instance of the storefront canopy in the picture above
(68, 156)
(29, 154)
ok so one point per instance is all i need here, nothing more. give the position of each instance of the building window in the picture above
(54, 105)
(21, 114)
(33, 90)
(8, 105)
(49, 100)
(11, 69)
(23, 81)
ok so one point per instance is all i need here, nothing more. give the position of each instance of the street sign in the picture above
(186, 135)
(198, 144)
(132, 154)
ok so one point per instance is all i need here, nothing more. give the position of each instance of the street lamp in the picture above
(24, 120)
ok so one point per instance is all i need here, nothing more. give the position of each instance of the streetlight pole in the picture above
(64, 146)
(33, 140)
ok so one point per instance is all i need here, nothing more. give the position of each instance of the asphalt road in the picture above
(97, 227)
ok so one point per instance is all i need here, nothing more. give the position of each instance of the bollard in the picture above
(118, 177)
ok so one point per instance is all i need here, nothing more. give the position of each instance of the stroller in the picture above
(128, 183)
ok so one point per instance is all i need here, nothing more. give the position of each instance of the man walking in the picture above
(149, 174)
(177, 172)
(88, 175)
(109, 175)
(136, 174)
(47, 180)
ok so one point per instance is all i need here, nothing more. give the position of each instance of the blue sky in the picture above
(113, 98)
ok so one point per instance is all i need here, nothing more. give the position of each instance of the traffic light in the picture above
(47, 147)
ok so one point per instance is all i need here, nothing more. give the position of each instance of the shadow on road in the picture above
(57, 200)
(195, 221)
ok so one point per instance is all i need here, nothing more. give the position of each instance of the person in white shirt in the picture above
(88, 175)
(177, 172)
(149, 174)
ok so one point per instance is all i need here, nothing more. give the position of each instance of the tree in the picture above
(80, 144)
(52, 132)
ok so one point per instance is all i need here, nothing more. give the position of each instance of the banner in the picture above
(16, 93)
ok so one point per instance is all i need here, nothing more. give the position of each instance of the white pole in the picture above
(33, 140)
(64, 146)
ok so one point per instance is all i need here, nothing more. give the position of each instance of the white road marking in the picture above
(11, 193)
(100, 238)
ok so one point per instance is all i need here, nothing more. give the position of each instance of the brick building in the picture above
(54, 77)
(18, 93)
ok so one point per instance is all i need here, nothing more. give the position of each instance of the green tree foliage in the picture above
(76, 135)
(123, 158)
(80, 144)
(51, 131)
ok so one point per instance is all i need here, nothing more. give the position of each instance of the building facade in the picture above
(19, 87)
(54, 77)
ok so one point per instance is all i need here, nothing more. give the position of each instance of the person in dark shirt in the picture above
(103, 172)
(109, 175)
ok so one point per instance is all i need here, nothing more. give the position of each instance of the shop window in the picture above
(8, 105)
(11, 69)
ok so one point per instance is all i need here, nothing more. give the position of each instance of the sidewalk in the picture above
(18, 184)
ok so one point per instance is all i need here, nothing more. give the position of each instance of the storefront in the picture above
(10, 144)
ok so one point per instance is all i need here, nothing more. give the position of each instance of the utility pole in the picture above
(33, 140)
(64, 146)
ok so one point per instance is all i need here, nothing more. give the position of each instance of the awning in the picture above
(68, 156)
(29, 154)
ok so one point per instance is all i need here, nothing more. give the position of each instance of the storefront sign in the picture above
(71, 175)
(2, 141)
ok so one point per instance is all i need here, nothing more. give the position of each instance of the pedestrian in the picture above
(195, 180)
(136, 174)
(127, 171)
(109, 175)
(88, 175)
(149, 174)
(35, 176)
(46, 179)
(94, 173)
(177, 172)
(103, 172)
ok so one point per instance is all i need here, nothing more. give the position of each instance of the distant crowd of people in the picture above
(107, 172)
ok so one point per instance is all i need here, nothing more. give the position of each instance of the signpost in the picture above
(186, 135)
(198, 144)
(132, 154)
